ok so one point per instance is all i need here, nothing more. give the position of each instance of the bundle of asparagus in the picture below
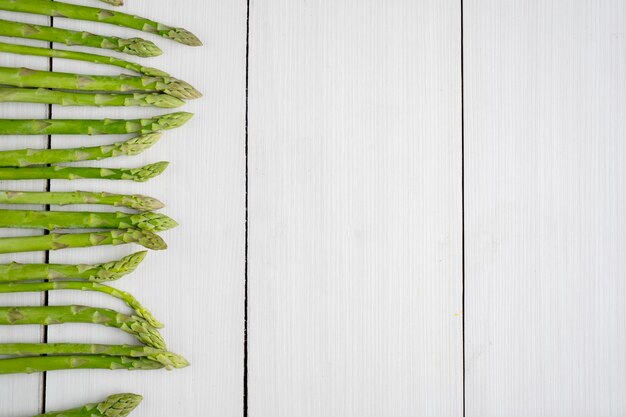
(26, 358)
(138, 224)
(94, 14)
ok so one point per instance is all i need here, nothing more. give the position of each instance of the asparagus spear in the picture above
(26, 157)
(79, 56)
(126, 297)
(49, 315)
(92, 127)
(71, 173)
(60, 198)
(51, 220)
(109, 271)
(132, 46)
(30, 365)
(168, 359)
(56, 241)
(67, 98)
(26, 77)
(95, 14)
(118, 405)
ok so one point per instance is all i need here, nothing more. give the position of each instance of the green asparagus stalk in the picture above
(168, 359)
(49, 315)
(26, 77)
(109, 271)
(57, 241)
(67, 98)
(80, 56)
(71, 173)
(132, 302)
(92, 127)
(60, 198)
(95, 14)
(30, 365)
(118, 405)
(26, 157)
(51, 220)
(133, 46)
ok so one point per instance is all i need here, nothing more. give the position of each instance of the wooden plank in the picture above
(355, 209)
(545, 203)
(196, 286)
(20, 394)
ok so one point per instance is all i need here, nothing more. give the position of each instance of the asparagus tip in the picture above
(151, 241)
(164, 101)
(154, 72)
(138, 144)
(147, 315)
(119, 405)
(141, 47)
(144, 238)
(153, 222)
(184, 36)
(182, 89)
(173, 120)
(170, 360)
(143, 202)
(147, 172)
(114, 270)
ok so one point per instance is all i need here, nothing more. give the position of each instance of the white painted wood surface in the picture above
(355, 209)
(355, 279)
(545, 203)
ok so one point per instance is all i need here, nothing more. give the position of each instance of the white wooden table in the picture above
(387, 208)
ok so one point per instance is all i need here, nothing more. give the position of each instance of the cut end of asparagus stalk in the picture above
(152, 222)
(114, 270)
(183, 36)
(146, 172)
(170, 360)
(182, 89)
(140, 47)
(142, 202)
(138, 144)
(172, 120)
(119, 405)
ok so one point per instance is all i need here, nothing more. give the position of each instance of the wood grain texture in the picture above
(545, 203)
(20, 394)
(196, 286)
(355, 209)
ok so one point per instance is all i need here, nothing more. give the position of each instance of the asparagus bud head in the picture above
(146, 172)
(171, 120)
(119, 405)
(184, 36)
(114, 270)
(142, 202)
(137, 145)
(139, 47)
